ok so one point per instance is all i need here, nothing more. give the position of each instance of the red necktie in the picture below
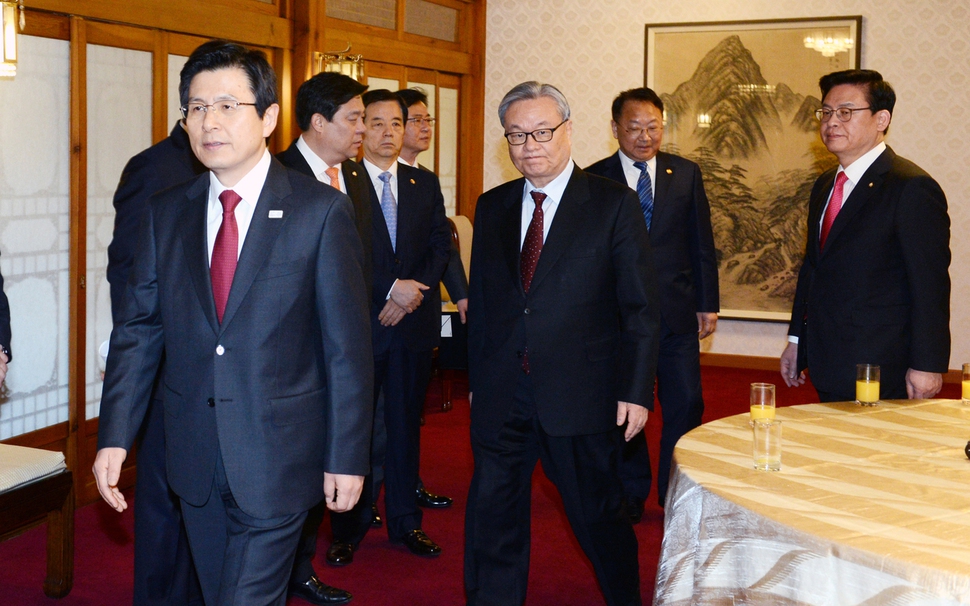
(532, 246)
(835, 204)
(531, 249)
(225, 252)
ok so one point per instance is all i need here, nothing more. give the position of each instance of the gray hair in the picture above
(533, 90)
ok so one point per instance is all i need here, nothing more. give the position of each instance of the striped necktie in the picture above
(645, 192)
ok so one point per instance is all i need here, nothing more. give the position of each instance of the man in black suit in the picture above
(5, 355)
(330, 114)
(874, 287)
(563, 338)
(410, 244)
(164, 573)
(678, 218)
(249, 280)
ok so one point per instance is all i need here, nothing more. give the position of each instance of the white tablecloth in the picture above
(871, 506)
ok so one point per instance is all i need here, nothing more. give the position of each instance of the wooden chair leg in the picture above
(60, 549)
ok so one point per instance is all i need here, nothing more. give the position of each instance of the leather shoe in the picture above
(340, 554)
(634, 508)
(432, 501)
(375, 520)
(419, 544)
(315, 591)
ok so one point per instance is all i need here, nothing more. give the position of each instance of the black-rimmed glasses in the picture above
(542, 135)
(844, 114)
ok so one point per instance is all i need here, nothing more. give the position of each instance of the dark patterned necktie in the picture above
(645, 192)
(532, 246)
(225, 252)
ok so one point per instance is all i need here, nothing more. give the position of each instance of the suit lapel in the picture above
(567, 221)
(262, 233)
(614, 169)
(407, 193)
(511, 230)
(192, 219)
(863, 191)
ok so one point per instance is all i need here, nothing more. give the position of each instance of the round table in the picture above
(871, 506)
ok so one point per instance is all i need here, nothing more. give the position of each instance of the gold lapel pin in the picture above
(353, 172)
(412, 181)
(670, 171)
(871, 184)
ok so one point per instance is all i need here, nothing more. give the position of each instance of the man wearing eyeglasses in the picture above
(678, 217)
(563, 337)
(874, 287)
(249, 279)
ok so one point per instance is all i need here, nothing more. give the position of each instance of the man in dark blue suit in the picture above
(330, 114)
(411, 243)
(164, 573)
(874, 287)
(678, 218)
(248, 279)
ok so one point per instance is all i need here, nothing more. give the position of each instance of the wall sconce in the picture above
(342, 63)
(703, 121)
(828, 45)
(8, 36)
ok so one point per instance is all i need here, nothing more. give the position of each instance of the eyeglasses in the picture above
(429, 121)
(542, 135)
(652, 131)
(844, 114)
(197, 111)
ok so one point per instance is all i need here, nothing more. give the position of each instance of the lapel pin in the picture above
(353, 172)
(670, 171)
(275, 214)
(412, 181)
(871, 184)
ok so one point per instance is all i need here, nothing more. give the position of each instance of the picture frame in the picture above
(739, 99)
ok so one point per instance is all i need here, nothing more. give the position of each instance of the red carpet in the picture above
(385, 574)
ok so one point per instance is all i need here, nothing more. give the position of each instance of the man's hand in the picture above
(391, 314)
(341, 491)
(634, 415)
(407, 294)
(4, 359)
(462, 306)
(789, 366)
(922, 385)
(107, 471)
(706, 324)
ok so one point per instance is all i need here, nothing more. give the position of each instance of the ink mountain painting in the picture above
(759, 151)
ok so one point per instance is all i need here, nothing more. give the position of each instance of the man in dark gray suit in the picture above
(249, 279)
(678, 218)
(563, 336)
(330, 114)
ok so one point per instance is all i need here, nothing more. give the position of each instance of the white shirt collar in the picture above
(248, 188)
(555, 188)
(858, 168)
(405, 162)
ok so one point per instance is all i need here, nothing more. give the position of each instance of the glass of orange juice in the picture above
(966, 383)
(762, 401)
(867, 384)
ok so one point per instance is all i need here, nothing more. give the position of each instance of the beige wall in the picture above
(591, 50)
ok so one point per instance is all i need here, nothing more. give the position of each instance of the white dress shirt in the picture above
(554, 191)
(318, 166)
(374, 172)
(632, 173)
(248, 188)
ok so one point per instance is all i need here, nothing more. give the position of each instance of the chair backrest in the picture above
(461, 234)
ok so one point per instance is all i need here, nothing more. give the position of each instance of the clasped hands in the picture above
(406, 296)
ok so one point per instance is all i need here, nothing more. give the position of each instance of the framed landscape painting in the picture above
(740, 99)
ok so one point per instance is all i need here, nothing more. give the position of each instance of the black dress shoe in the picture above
(315, 591)
(433, 501)
(340, 554)
(634, 508)
(375, 520)
(419, 544)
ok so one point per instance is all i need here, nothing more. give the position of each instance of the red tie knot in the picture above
(538, 197)
(230, 200)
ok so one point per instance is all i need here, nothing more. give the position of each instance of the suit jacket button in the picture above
(518, 354)
(211, 402)
(527, 311)
(220, 350)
